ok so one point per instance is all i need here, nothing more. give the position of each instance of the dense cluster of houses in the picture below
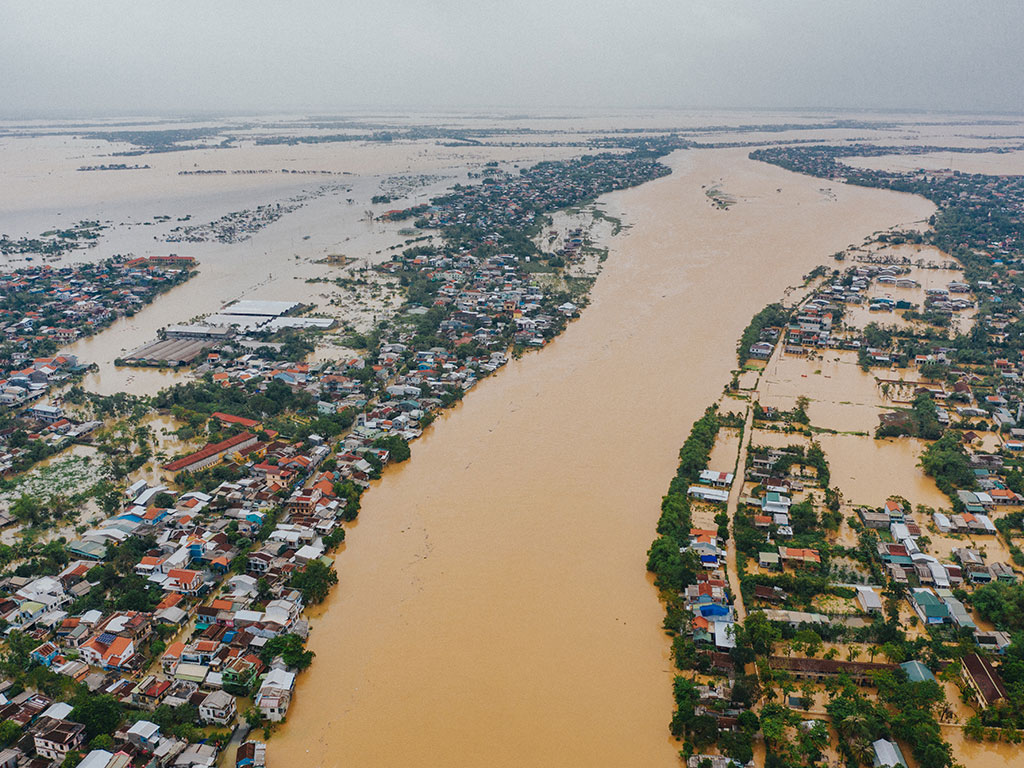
(222, 562)
(49, 736)
(42, 308)
(488, 301)
(506, 200)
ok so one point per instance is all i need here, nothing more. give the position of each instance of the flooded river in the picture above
(493, 606)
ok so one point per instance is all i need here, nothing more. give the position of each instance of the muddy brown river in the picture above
(493, 608)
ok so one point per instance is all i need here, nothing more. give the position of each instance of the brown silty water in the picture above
(494, 607)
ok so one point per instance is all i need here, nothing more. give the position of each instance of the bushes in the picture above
(946, 461)
(397, 448)
(1002, 604)
(693, 456)
(673, 570)
(314, 581)
(771, 316)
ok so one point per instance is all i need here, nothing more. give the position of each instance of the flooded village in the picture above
(333, 515)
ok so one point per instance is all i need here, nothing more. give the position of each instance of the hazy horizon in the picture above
(112, 57)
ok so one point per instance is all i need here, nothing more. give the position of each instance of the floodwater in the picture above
(493, 606)
(997, 164)
(43, 189)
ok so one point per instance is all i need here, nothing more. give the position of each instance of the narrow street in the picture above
(734, 501)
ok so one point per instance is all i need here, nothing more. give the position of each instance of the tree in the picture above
(290, 649)
(761, 633)
(397, 448)
(98, 713)
(314, 581)
(163, 500)
(673, 569)
(1002, 604)
(19, 650)
(810, 640)
(103, 741)
(9, 731)
(803, 517)
(28, 509)
(946, 461)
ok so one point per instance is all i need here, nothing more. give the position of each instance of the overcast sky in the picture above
(168, 56)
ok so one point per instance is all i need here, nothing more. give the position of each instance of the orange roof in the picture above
(229, 418)
(210, 450)
(325, 486)
(174, 650)
(801, 554)
(118, 647)
(169, 601)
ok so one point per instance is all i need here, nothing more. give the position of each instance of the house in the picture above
(1003, 572)
(197, 756)
(799, 557)
(172, 656)
(887, 754)
(984, 680)
(820, 670)
(993, 641)
(895, 511)
(185, 581)
(928, 606)
(718, 495)
(212, 453)
(773, 503)
(917, 672)
(958, 612)
(144, 735)
(229, 420)
(872, 519)
(150, 692)
(48, 414)
(275, 694)
(769, 594)
(716, 479)
(108, 651)
(55, 738)
(769, 560)
(218, 707)
(97, 758)
(252, 754)
(869, 600)
(45, 654)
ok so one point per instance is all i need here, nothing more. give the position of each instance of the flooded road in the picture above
(493, 606)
